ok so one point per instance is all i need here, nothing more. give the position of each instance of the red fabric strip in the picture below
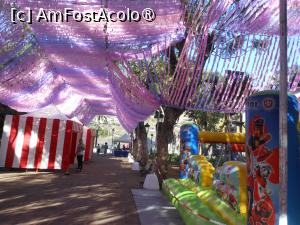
(40, 143)
(53, 143)
(12, 142)
(25, 147)
(88, 145)
(67, 146)
(73, 147)
(238, 147)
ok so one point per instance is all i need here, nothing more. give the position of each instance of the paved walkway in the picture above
(101, 194)
(155, 209)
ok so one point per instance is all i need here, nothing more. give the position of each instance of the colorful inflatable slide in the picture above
(205, 195)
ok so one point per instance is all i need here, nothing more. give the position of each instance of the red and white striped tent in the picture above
(88, 138)
(37, 143)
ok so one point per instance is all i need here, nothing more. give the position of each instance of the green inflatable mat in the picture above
(191, 209)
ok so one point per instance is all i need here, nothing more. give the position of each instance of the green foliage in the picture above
(173, 159)
(102, 132)
(27, 40)
(138, 71)
(98, 124)
(154, 66)
(17, 55)
(207, 121)
(217, 160)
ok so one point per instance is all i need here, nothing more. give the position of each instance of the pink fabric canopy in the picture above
(85, 68)
(65, 63)
(221, 64)
(260, 16)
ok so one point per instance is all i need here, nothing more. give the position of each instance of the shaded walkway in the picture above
(155, 209)
(101, 194)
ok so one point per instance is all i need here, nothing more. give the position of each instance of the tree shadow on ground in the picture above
(100, 194)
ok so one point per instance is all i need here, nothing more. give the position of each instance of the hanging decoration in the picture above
(42, 61)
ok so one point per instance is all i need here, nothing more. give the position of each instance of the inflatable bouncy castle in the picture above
(201, 171)
(240, 193)
(203, 194)
(188, 146)
(230, 185)
(208, 196)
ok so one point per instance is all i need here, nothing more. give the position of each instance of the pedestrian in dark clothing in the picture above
(80, 153)
(98, 149)
(105, 148)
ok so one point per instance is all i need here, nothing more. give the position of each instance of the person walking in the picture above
(105, 148)
(79, 153)
(98, 149)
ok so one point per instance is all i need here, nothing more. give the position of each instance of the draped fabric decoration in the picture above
(25, 73)
(155, 71)
(66, 63)
(127, 68)
(259, 16)
(130, 94)
(245, 16)
(218, 69)
(221, 76)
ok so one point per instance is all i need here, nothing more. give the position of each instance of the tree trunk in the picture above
(164, 137)
(135, 148)
(142, 144)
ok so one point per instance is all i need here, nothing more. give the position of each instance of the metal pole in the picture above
(241, 123)
(151, 145)
(112, 138)
(96, 140)
(283, 172)
(156, 136)
(131, 142)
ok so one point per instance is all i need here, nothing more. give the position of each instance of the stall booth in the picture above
(125, 139)
(31, 142)
(88, 139)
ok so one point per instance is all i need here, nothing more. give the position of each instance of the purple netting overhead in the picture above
(259, 16)
(87, 68)
(26, 76)
(226, 58)
(217, 69)
(246, 16)
(65, 63)
(235, 66)
(133, 100)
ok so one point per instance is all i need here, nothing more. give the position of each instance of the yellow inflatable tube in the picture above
(215, 137)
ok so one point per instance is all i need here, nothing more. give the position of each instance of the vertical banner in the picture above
(188, 146)
(262, 140)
